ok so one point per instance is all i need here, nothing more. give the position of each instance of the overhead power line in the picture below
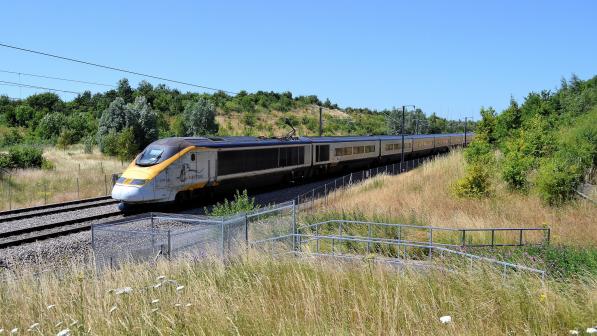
(36, 87)
(56, 78)
(113, 68)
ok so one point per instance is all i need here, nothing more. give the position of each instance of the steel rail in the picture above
(42, 236)
(51, 211)
(52, 205)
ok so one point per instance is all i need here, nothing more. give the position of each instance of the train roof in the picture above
(246, 141)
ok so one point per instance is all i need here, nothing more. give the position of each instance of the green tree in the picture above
(50, 125)
(486, 128)
(125, 91)
(199, 118)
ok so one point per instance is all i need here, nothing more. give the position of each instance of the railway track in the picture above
(28, 225)
(49, 209)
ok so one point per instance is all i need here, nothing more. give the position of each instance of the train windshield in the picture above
(155, 154)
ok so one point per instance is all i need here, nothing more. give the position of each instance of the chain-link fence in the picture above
(151, 236)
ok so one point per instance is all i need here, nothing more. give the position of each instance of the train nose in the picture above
(127, 194)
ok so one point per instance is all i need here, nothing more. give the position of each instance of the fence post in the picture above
(430, 243)
(548, 235)
(520, 238)
(492, 238)
(294, 237)
(9, 194)
(463, 238)
(223, 241)
(46, 193)
(78, 193)
(106, 184)
(368, 237)
(317, 235)
(152, 231)
(169, 245)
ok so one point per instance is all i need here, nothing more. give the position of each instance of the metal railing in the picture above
(405, 253)
(438, 236)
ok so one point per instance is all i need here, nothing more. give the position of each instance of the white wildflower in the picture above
(64, 332)
(1, 330)
(573, 332)
(14, 330)
(124, 290)
(177, 305)
(155, 301)
(51, 307)
(188, 305)
(161, 277)
(445, 319)
(158, 285)
(179, 288)
(113, 309)
(592, 330)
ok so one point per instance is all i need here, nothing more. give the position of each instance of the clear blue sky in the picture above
(449, 57)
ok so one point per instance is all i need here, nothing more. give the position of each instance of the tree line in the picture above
(547, 144)
(124, 120)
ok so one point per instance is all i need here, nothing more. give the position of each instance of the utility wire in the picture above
(35, 87)
(113, 68)
(56, 78)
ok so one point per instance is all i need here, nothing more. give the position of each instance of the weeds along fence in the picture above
(391, 251)
(32, 188)
(316, 198)
(151, 236)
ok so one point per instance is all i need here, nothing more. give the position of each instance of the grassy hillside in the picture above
(260, 295)
(425, 196)
(292, 296)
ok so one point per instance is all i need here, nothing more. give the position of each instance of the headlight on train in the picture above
(138, 182)
(134, 182)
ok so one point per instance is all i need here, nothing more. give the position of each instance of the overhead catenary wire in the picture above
(114, 68)
(36, 87)
(56, 78)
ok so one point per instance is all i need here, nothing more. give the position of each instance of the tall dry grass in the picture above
(260, 296)
(76, 175)
(423, 196)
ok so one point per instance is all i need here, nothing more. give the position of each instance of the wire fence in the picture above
(19, 190)
(151, 236)
(318, 197)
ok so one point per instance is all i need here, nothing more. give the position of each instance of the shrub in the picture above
(47, 165)
(241, 203)
(557, 180)
(110, 143)
(478, 151)
(11, 137)
(476, 182)
(25, 157)
(66, 138)
(515, 168)
(88, 143)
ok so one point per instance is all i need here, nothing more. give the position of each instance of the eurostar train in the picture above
(178, 169)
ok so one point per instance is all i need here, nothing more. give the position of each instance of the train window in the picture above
(239, 161)
(347, 151)
(389, 147)
(358, 150)
(322, 153)
(369, 149)
(193, 157)
(339, 151)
